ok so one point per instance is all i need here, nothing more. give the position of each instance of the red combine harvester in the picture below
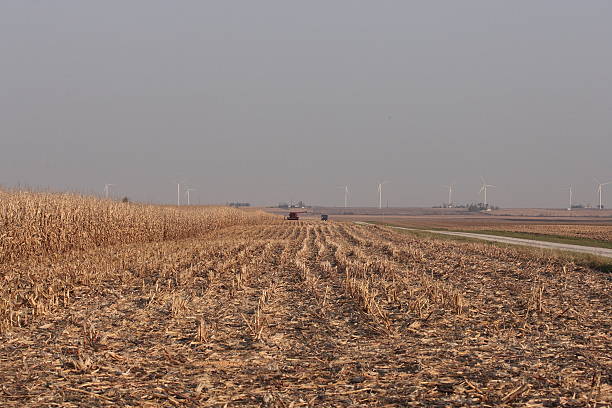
(293, 215)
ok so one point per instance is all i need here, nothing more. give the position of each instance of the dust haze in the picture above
(273, 101)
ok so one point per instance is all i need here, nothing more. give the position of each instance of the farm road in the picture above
(518, 241)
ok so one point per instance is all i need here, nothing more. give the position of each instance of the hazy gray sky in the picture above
(266, 101)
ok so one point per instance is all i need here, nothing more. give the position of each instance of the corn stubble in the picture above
(105, 303)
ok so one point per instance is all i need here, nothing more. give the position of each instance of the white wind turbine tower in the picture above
(187, 192)
(107, 188)
(178, 194)
(450, 194)
(346, 192)
(484, 188)
(570, 198)
(382, 183)
(599, 189)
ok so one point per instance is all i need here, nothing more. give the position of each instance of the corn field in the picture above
(584, 229)
(597, 232)
(244, 309)
(42, 224)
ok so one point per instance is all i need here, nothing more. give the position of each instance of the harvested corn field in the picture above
(304, 314)
(594, 232)
(583, 229)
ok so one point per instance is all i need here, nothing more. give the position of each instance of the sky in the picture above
(270, 101)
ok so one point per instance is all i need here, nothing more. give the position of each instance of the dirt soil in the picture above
(306, 314)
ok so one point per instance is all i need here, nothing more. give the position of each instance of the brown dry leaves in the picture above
(304, 314)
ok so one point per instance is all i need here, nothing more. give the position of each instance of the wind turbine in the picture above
(382, 183)
(107, 188)
(346, 191)
(599, 188)
(484, 188)
(570, 198)
(178, 194)
(187, 192)
(450, 194)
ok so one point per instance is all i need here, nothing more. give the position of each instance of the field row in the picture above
(306, 313)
